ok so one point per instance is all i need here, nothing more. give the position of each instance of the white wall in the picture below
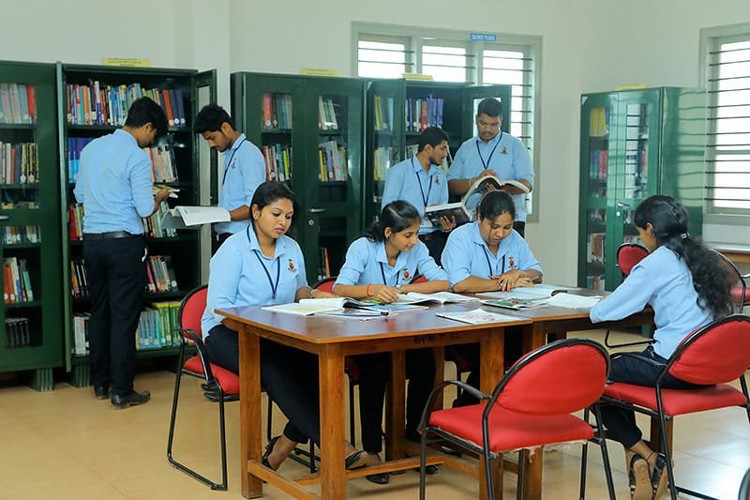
(587, 46)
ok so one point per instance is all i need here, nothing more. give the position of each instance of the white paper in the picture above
(182, 217)
(572, 301)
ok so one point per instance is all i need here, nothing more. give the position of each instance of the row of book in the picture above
(79, 286)
(152, 225)
(19, 204)
(333, 161)
(16, 281)
(163, 163)
(598, 164)
(599, 122)
(17, 103)
(277, 111)
(17, 332)
(278, 159)
(101, 104)
(383, 111)
(159, 270)
(324, 266)
(75, 221)
(595, 248)
(423, 112)
(158, 326)
(19, 163)
(20, 235)
(327, 119)
(382, 159)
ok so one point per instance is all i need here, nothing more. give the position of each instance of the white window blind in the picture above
(728, 141)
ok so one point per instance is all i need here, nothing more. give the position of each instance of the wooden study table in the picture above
(332, 339)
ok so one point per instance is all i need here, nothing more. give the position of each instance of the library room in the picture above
(222, 260)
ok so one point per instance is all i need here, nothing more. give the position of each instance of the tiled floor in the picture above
(66, 444)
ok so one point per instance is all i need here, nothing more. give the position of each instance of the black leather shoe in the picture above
(431, 469)
(101, 392)
(134, 398)
(380, 478)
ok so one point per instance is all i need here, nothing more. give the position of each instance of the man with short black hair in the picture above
(244, 168)
(493, 152)
(115, 186)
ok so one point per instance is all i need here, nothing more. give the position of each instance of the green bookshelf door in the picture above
(30, 236)
(635, 144)
(93, 102)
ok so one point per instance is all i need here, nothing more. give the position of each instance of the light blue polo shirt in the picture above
(366, 263)
(467, 254)
(408, 181)
(115, 184)
(240, 275)
(504, 154)
(663, 280)
(244, 170)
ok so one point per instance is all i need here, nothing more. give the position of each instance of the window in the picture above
(727, 72)
(385, 51)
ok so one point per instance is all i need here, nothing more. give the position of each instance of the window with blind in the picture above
(451, 56)
(728, 141)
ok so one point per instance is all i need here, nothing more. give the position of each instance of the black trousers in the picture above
(633, 368)
(374, 370)
(116, 272)
(290, 377)
(435, 243)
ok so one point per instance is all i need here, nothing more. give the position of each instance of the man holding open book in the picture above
(493, 152)
(421, 182)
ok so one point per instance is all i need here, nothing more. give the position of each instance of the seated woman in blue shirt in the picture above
(262, 266)
(381, 265)
(488, 255)
(685, 283)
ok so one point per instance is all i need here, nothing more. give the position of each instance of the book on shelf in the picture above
(17, 332)
(333, 162)
(436, 298)
(460, 209)
(17, 103)
(327, 114)
(308, 307)
(19, 163)
(190, 217)
(477, 317)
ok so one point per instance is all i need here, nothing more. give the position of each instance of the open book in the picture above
(438, 298)
(459, 209)
(477, 317)
(193, 217)
(514, 303)
(307, 307)
(541, 291)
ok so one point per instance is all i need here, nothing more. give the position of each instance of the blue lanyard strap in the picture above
(229, 162)
(486, 164)
(274, 286)
(382, 273)
(489, 265)
(425, 199)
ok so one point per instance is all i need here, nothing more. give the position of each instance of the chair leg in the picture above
(521, 470)
(584, 461)
(312, 457)
(602, 441)
(743, 386)
(667, 454)
(223, 432)
(351, 412)
(269, 420)
(422, 463)
(173, 418)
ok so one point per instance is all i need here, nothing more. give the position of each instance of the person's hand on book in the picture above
(447, 224)
(487, 172)
(512, 279)
(383, 293)
(161, 195)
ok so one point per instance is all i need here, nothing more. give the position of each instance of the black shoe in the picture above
(379, 478)
(431, 469)
(450, 451)
(267, 453)
(134, 398)
(101, 392)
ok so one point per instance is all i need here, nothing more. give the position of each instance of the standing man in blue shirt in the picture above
(244, 168)
(420, 181)
(493, 152)
(115, 186)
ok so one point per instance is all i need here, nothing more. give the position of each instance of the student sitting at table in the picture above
(262, 266)
(685, 283)
(488, 255)
(381, 265)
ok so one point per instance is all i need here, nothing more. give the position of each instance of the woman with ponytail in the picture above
(685, 283)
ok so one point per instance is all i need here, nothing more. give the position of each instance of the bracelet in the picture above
(368, 291)
(310, 295)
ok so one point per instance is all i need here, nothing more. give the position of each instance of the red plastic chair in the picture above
(628, 255)
(530, 407)
(714, 355)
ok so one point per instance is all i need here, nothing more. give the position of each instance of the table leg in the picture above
(491, 355)
(332, 471)
(395, 406)
(250, 419)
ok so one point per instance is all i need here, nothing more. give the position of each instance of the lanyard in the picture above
(274, 286)
(382, 273)
(421, 189)
(231, 157)
(489, 265)
(486, 164)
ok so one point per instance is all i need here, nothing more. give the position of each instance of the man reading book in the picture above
(421, 182)
(493, 152)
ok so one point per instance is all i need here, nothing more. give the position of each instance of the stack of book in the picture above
(158, 326)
